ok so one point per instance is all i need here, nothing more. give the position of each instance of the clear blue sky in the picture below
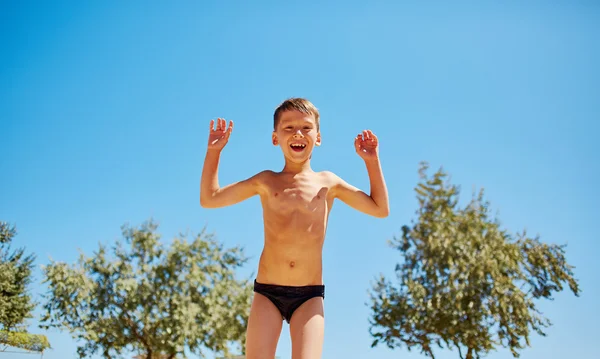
(104, 110)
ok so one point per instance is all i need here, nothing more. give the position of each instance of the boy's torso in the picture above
(295, 211)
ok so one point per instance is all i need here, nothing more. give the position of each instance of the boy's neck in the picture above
(295, 168)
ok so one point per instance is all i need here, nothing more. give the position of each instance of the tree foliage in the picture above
(150, 298)
(16, 304)
(465, 283)
(32, 342)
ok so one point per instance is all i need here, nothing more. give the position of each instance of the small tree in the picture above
(16, 304)
(150, 299)
(465, 283)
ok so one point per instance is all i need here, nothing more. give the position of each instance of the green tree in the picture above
(149, 298)
(16, 304)
(465, 283)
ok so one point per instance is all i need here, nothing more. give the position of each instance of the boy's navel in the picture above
(292, 264)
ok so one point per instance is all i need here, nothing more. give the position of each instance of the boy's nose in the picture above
(298, 133)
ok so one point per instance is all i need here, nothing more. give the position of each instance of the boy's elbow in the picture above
(383, 212)
(206, 202)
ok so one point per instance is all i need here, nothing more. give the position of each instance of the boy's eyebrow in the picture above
(304, 120)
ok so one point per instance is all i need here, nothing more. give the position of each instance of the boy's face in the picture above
(297, 135)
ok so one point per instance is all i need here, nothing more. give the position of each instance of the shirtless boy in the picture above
(296, 203)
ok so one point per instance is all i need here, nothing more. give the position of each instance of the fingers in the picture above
(372, 136)
(366, 135)
(228, 132)
(218, 123)
(357, 141)
(221, 125)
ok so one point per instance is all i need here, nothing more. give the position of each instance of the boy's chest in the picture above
(294, 195)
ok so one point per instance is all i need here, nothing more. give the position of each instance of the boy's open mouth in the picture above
(297, 147)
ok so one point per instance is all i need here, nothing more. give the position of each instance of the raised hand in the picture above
(367, 145)
(219, 136)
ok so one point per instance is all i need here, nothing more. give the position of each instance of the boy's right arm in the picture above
(211, 195)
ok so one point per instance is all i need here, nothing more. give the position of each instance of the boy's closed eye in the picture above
(305, 128)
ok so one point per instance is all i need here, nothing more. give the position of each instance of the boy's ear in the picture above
(318, 142)
(274, 139)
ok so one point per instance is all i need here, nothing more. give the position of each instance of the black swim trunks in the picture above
(287, 298)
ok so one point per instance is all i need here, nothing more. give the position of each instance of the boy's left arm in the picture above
(377, 203)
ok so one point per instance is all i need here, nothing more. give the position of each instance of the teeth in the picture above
(298, 145)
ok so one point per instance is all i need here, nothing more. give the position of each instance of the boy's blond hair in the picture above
(296, 104)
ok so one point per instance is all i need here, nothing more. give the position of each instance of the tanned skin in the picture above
(296, 203)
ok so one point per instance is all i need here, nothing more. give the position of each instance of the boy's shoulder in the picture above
(327, 174)
(330, 177)
(263, 176)
(330, 174)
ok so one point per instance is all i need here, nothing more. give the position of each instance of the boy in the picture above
(296, 203)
